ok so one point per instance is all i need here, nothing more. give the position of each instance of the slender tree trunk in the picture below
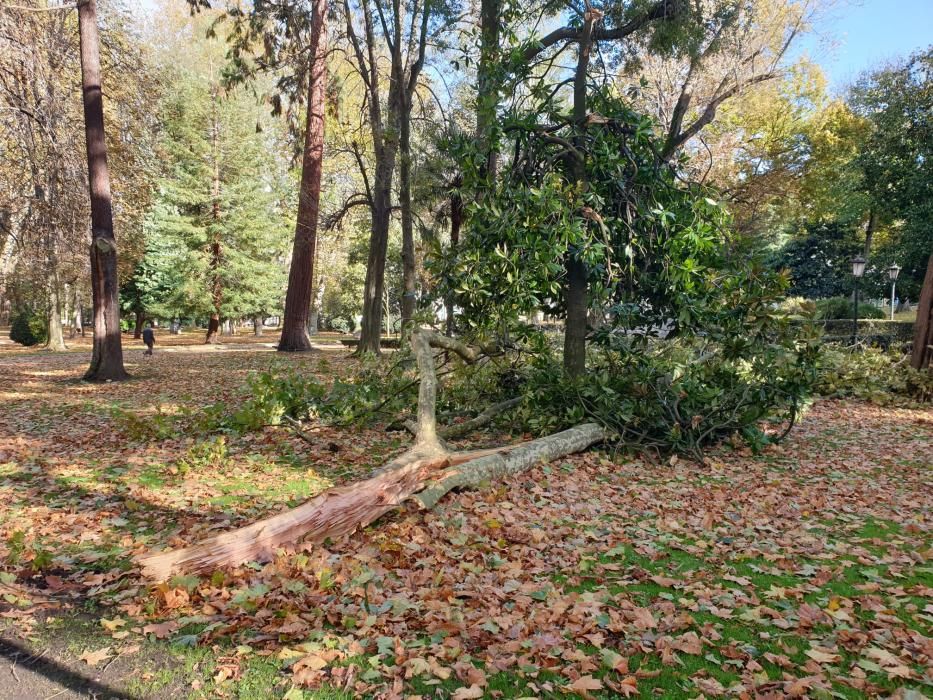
(78, 316)
(317, 299)
(456, 222)
(257, 326)
(301, 274)
(576, 289)
(374, 286)
(923, 326)
(487, 86)
(385, 146)
(213, 326)
(409, 271)
(107, 356)
(869, 233)
(140, 321)
(56, 339)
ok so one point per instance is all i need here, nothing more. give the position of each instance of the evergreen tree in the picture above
(220, 205)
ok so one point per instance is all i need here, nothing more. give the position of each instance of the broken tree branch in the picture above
(460, 429)
(518, 459)
(427, 467)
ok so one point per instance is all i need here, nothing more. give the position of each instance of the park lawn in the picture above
(802, 571)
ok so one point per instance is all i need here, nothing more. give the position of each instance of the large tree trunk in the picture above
(213, 329)
(923, 326)
(426, 472)
(298, 298)
(576, 303)
(107, 355)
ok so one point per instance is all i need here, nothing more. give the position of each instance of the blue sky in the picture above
(869, 32)
(862, 34)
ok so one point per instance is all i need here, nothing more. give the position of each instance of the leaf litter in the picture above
(804, 571)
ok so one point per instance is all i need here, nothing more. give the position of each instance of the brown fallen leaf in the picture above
(470, 693)
(92, 658)
(161, 630)
(822, 656)
(644, 620)
(688, 643)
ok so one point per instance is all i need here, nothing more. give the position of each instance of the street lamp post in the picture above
(858, 269)
(893, 272)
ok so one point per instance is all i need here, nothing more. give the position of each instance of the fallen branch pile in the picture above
(424, 473)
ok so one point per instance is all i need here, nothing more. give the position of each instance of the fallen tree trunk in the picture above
(426, 473)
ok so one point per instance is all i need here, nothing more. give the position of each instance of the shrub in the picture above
(380, 388)
(29, 327)
(873, 375)
(341, 325)
(841, 307)
(798, 306)
(673, 396)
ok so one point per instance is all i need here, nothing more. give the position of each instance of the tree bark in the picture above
(374, 285)
(427, 468)
(78, 317)
(56, 340)
(213, 330)
(140, 322)
(487, 87)
(869, 233)
(301, 274)
(456, 222)
(257, 326)
(213, 326)
(923, 326)
(409, 271)
(576, 304)
(107, 356)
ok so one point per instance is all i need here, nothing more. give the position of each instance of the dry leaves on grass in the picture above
(802, 570)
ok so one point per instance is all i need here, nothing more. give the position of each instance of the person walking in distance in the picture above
(148, 338)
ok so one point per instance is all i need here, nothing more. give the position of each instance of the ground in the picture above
(804, 571)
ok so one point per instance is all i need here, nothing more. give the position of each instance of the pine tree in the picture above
(219, 204)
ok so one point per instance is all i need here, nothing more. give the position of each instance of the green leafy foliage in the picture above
(871, 374)
(841, 307)
(819, 260)
(205, 455)
(380, 389)
(273, 395)
(679, 395)
(651, 244)
(28, 327)
(218, 230)
(896, 100)
(139, 427)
